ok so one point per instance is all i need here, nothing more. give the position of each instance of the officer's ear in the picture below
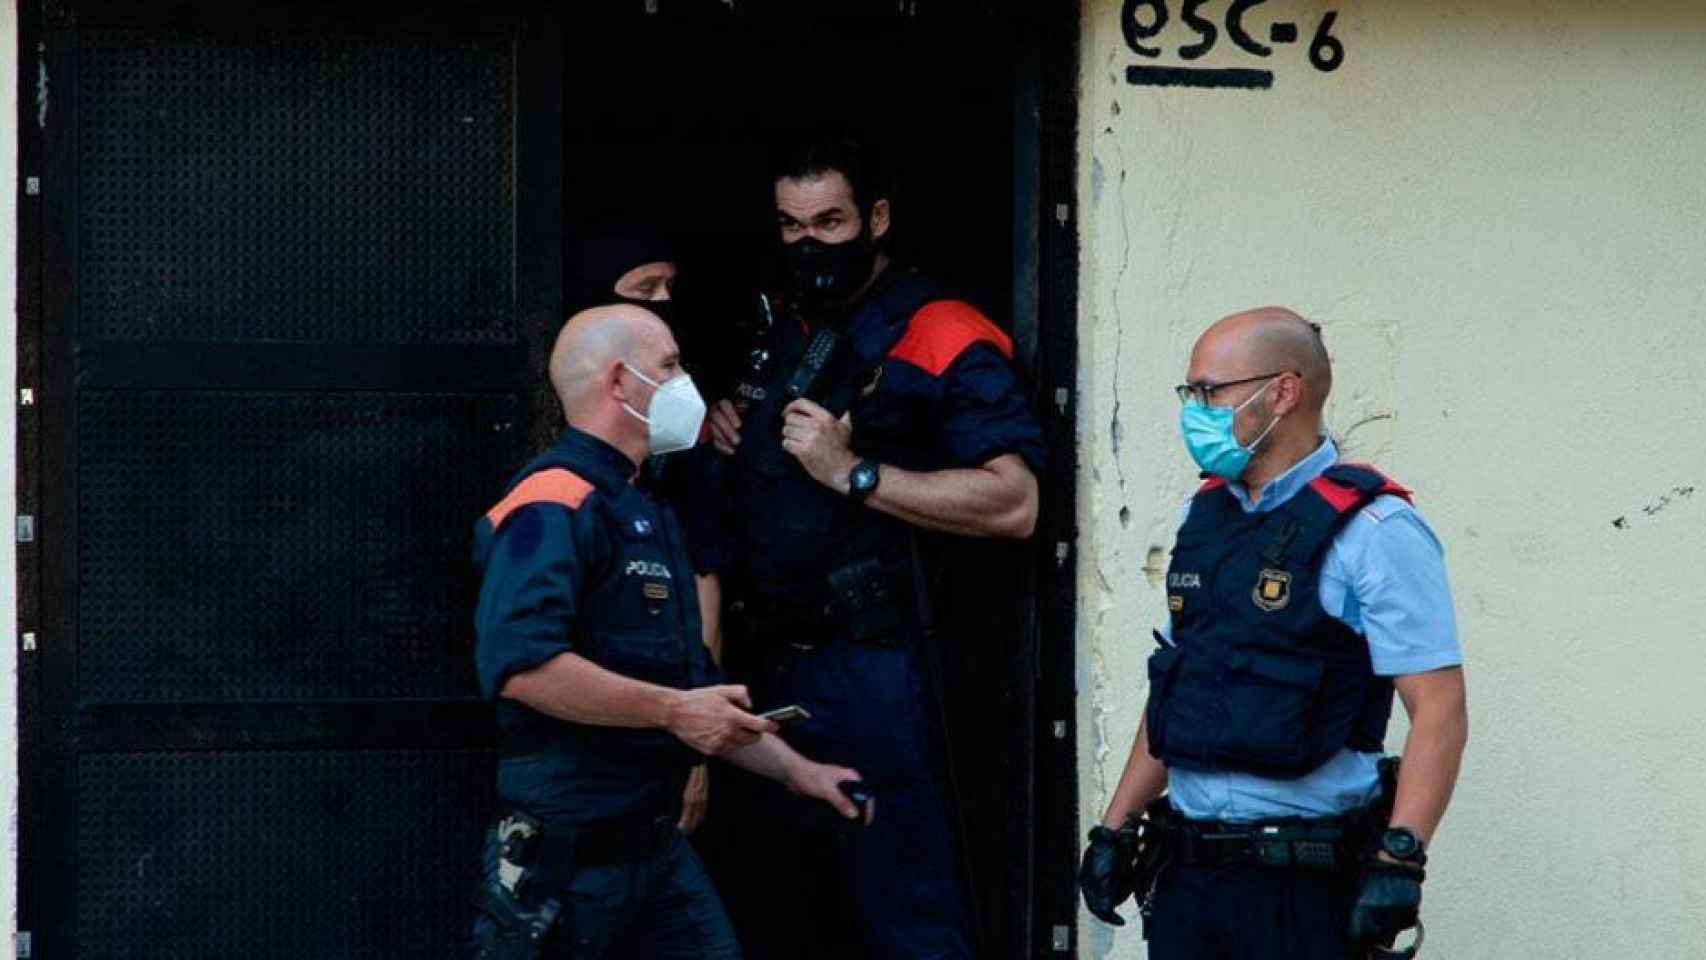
(1288, 393)
(612, 382)
(879, 218)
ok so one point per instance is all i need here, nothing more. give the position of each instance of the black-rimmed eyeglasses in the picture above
(1203, 390)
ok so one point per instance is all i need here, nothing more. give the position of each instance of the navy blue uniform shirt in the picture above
(578, 560)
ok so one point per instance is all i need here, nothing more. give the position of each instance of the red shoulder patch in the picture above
(555, 485)
(1339, 498)
(942, 330)
(1342, 498)
(1391, 486)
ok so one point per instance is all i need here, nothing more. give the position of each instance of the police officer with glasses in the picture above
(1256, 815)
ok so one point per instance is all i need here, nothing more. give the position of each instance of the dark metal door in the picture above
(283, 282)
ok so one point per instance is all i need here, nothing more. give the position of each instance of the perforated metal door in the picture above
(284, 350)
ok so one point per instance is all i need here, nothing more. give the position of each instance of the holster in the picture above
(1367, 824)
(1153, 837)
(516, 932)
(521, 911)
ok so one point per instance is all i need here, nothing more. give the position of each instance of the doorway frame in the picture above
(1046, 113)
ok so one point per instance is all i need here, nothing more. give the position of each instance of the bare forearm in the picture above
(979, 502)
(1433, 753)
(711, 614)
(1142, 781)
(770, 757)
(571, 687)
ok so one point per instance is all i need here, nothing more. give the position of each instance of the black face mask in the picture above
(828, 273)
(665, 309)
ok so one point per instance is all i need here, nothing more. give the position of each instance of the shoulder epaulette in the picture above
(1345, 485)
(555, 485)
(942, 330)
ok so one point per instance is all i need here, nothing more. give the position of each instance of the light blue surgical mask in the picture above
(1211, 439)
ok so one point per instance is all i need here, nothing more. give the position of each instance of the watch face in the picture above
(1401, 844)
(864, 477)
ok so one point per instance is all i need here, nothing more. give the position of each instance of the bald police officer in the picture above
(1303, 591)
(590, 642)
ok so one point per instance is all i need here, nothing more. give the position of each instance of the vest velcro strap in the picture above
(1285, 531)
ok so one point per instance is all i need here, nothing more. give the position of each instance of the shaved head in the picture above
(1269, 366)
(1269, 340)
(592, 342)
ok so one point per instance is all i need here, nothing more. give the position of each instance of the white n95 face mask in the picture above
(675, 414)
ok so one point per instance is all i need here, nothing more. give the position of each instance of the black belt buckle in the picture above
(1271, 848)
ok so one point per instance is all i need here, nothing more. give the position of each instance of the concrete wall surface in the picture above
(1497, 211)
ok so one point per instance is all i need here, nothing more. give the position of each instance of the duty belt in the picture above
(868, 600)
(1305, 844)
(550, 848)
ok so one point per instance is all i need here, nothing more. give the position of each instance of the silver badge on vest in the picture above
(1272, 590)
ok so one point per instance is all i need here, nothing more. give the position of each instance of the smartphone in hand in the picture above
(786, 715)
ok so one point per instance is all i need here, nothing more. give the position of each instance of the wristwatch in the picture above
(1402, 844)
(862, 479)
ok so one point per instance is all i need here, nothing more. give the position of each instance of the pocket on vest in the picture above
(1163, 666)
(1271, 705)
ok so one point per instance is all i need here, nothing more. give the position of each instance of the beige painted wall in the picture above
(1498, 212)
(8, 472)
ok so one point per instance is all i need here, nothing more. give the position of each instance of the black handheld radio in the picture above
(810, 377)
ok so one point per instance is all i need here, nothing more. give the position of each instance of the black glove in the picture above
(1388, 901)
(1108, 873)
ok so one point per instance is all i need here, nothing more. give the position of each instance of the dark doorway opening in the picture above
(670, 118)
(283, 295)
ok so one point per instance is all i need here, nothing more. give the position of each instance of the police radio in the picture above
(809, 378)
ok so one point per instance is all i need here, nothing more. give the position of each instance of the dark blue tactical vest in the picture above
(793, 529)
(1259, 677)
(637, 614)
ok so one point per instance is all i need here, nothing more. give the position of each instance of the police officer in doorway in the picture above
(1303, 591)
(606, 694)
(873, 406)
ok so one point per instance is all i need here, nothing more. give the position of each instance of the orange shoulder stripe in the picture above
(555, 485)
(942, 330)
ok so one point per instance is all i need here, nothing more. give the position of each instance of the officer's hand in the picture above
(1387, 902)
(820, 442)
(1107, 875)
(694, 799)
(725, 427)
(822, 781)
(714, 720)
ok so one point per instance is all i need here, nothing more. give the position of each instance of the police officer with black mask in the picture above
(872, 406)
(1303, 592)
(606, 693)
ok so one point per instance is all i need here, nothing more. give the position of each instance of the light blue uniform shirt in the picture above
(1384, 577)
